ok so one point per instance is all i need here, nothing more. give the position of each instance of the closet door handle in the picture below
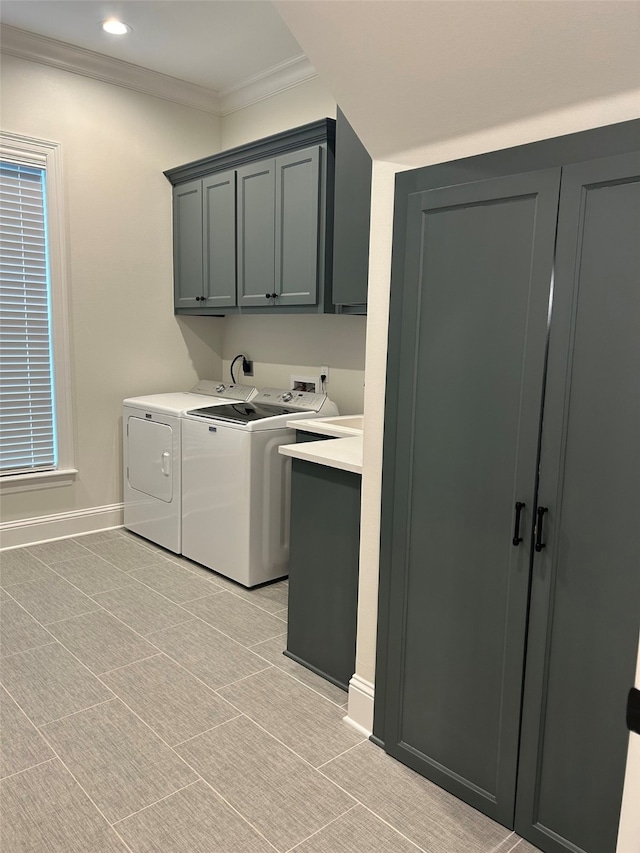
(517, 539)
(539, 543)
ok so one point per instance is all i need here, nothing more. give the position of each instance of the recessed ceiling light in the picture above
(115, 27)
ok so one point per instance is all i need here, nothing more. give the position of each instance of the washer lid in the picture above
(242, 413)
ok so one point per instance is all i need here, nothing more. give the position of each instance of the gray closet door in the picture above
(256, 233)
(585, 593)
(478, 268)
(297, 220)
(187, 244)
(219, 227)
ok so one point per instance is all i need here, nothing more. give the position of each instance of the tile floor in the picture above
(146, 706)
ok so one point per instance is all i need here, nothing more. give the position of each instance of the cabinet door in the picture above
(477, 275)
(219, 212)
(256, 233)
(297, 227)
(187, 244)
(585, 589)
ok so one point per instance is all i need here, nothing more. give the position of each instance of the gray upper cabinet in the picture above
(187, 243)
(256, 233)
(204, 242)
(509, 582)
(219, 235)
(352, 216)
(297, 227)
(264, 240)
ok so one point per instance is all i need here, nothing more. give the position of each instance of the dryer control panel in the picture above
(227, 391)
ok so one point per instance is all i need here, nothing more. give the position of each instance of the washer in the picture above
(236, 486)
(152, 442)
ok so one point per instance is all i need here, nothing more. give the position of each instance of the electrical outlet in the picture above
(247, 367)
(324, 371)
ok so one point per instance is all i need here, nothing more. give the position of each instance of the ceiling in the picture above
(411, 75)
(422, 80)
(215, 44)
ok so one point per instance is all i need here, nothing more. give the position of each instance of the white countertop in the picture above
(339, 426)
(344, 453)
(343, 450)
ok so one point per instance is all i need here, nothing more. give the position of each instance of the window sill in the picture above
(40, 480)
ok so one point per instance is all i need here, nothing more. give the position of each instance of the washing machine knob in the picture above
(287, 396)
(220, 388)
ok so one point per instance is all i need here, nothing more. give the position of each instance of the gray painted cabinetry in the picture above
(323, 568)
(254, 233)
(204, 213)
(352, 215)
(509, 586)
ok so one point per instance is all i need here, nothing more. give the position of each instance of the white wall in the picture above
(301, 344)
(299, 105)
(124, 337)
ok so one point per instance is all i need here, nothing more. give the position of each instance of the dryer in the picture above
(236, 486)
(152, 441)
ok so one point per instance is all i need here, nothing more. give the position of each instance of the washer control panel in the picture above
(302, 400)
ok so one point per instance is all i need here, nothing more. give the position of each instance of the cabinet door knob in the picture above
(267, 296)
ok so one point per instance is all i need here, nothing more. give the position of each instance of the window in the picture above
(35, 417)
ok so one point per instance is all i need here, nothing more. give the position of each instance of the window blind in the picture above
(27, 422)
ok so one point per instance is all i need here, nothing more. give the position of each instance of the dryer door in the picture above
(150, 458)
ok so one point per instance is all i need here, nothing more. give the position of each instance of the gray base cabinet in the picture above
(323, 569)
(509, 587)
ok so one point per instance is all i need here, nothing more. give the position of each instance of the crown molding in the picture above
(281, 77)
(88, 63)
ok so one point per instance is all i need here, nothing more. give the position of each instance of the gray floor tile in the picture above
(357, 830)
(87, 539)
(118, 761)
(272, 650)
(173, 581)
(507, 845)
(209, 655)
(19, 631)
(21, 744)
(175, 704)
(424, 813)
(92, 574)
(524, 847)
(279, 794)
(203, 572)
(236, 618)
(56, 552)
(194, 820)
(46, 811)
(303, 720)
(101, 641)
(4, 595)
(49, 683)
(141, 608)
(19, 566)
(51, 598)
(123, 553)
(273, 597)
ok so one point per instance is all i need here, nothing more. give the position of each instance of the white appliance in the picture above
(152, 441)
(236, 486)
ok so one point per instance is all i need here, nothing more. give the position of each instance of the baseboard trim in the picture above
(360, 714)
(46, 528)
